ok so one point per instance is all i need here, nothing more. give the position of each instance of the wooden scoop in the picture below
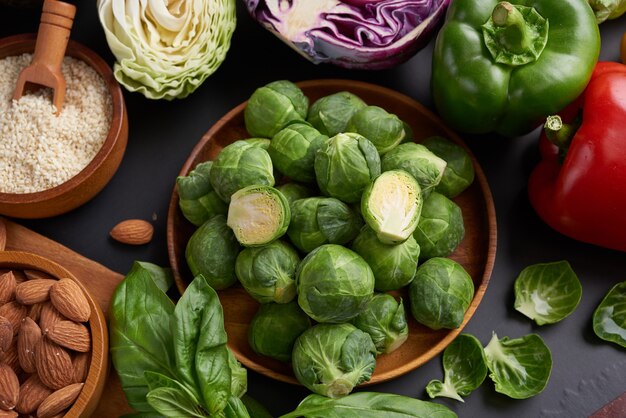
(56, 22)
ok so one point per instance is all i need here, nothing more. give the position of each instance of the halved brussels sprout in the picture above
(459, 172)
(384, 129)
(330, 114)
(275, 328)
(258, 215)
(391, 206)
(197, 200)
(419, 162)
(212, 251)
(293, 151)
(440, 228)
(293, 192)
(273, 106)
(322, 220)
(268, 273)
(393, 266)
(331, 359)
(334, 284)
(384, 320)
(346, 165)
(241, 164)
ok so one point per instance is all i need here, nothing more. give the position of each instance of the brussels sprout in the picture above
(346, 165)
(331, 359)
(330, 114)
(459, 172)
(259, 142)
(273, 106)
(212, 251)
(293, 192)
(419, 162)
(238, 165)
(293, 151)
(393, 266)
(198, 201)
(268, 273)
(384, 320)
(440, 293)
(275, 327)
(408, 133)
(334, 284)
(384, 129)
(440, 228)
(258, 215)
(238, 376)
(322, 220)
(391, 206)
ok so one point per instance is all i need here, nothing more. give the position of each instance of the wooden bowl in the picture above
(99, 366)
(476, 252)
(88, 182)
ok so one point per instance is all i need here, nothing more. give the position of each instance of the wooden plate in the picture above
(476, 252)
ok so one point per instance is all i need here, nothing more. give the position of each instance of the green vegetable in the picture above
(268, 273)
(258, 215)
(607, 9)
(440, 293)
(384, 319)
(334, 284)
(609, 318)
(293, 192)
(331, 359)
(255, 409)
(198, 201)
(384, 129)
(547, 292)
(330, 114)
(464, 367)
(419, 162)
(274, 106)
(275, 327)
(212, 251)
(520, 368)
(345, 166)
(239, 376)
(259, 142)
(459, 173)
(235, 409)
(322, 220)
(293, 151)
(391, 206)
(238, 165)
(440, 228)
(393, 266)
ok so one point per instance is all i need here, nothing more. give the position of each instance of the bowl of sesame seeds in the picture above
(51, 164)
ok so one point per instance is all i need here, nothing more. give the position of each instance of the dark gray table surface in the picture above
(587, 372)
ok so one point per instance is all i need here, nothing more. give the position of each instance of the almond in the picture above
(133, 232)
(67, 296)
(8, 414)
(7, 287)
(49, 316)
(35, 311)
(33, 291)
(54, 364)
(20, 277)
(59, 400)
(37, 274)
(81, 367)
(10, 358)
(27, 339)
(6, 335)
(70, 334)
(14, 312)
(32, 394)
(9, 387)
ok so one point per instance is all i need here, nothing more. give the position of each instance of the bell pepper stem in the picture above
(559, 133)
(515, 37)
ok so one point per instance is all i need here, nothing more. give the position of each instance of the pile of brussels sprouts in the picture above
(323, 210)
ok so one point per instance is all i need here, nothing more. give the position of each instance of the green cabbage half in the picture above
(166, 49)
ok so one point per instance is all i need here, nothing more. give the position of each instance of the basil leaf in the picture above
(140, 334)
(239, 376)
(609, 318)
(157, 380)
(255, 409)
(162, 277)
(174, 403)
(235, 408)
(368, 405)
(142, 415)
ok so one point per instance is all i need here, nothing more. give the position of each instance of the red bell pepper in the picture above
(583, 193)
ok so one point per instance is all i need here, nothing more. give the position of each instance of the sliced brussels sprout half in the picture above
(384, 319)
(345, 165)
(331, 359)
(440, 228)
(384, 129)
(258, 215)
(459, 172)
(268, 273)
(274, 106)
(197, 200)
(609, 318)
(295, 191)
(330, 114)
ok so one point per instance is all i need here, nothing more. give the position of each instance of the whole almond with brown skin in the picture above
(59, 400)
(27, 339)
(72, 335)
(35, 311)
(81, 367)
(14, 312)
(9, 387)
(8, 414)
(54, 364)
(70, 300)
(33, 291)
(7, 287)
(133, 232)
(49, 316)
(37, 274)
(19, 275)
(11, 359)
(6, 335)
(32, 394)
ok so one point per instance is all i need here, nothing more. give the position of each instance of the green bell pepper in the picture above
(502, 67)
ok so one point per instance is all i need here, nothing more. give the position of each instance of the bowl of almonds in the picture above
(53, 340)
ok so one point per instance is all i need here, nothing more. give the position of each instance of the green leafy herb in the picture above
(609, 318)
(255, 409)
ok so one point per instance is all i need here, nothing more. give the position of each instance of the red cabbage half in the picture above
(363, 34)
